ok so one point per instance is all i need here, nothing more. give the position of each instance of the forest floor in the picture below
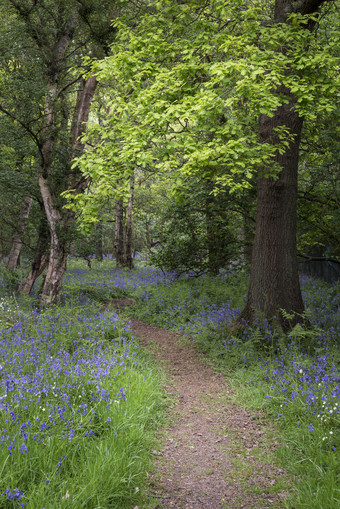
(213, 453)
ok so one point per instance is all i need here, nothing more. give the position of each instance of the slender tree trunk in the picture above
(128, 262)
(40, 259)
(212, 243)
(119, 233)
(58, 247)
(56, 264)
(14, 254)
(39, 264)
(99, 242)
(60, 221)
(147, 235)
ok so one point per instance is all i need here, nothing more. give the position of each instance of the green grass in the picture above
(84, 399)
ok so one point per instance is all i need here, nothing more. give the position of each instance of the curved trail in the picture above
(214, 451)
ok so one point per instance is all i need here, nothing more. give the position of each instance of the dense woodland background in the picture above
(198, 134)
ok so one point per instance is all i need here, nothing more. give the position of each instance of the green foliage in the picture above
(195, 232)
(173, 306)
(96, 294)
(190, 98)
(10, 279)
(319, 187)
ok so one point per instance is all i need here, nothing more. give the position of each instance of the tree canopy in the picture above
(231, 108)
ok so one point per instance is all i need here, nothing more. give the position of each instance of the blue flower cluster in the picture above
(111, 277)
(59, 377)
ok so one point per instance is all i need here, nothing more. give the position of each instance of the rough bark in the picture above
(274, 281)
(17, 243)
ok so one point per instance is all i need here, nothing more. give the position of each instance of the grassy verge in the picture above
(79, 405)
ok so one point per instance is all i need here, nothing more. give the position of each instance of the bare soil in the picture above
(214, 453)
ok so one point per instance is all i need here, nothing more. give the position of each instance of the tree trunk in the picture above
(59, 245)
(40, 259)
(274, 280)
(119, 233)
(99, 242)
(212, 243)
(59, 221)
(147, 235)
(14, 254)
(52, 283)
(128, 262)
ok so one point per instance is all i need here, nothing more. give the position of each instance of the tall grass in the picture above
(79, 406)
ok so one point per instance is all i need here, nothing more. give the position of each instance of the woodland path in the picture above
(215, 454)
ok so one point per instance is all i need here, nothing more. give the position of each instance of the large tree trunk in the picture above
(274, 281)
(14, 254)
(128, 262)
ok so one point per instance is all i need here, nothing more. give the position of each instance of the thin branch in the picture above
(317, 259)
(25, 126)
(69, 84)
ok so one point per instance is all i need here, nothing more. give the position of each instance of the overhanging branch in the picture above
(307, 258)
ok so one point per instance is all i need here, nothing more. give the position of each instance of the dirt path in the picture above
(215, 454)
